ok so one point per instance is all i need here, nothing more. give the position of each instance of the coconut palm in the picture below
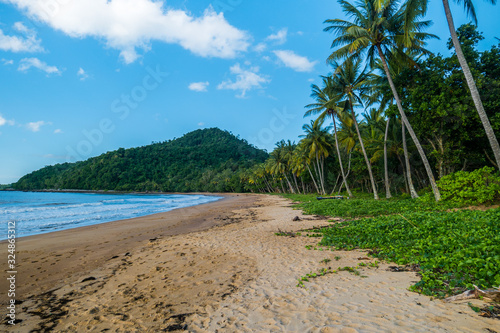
(326, 105)
(350, 82)
(469, 8)
(377, 28)
(375, 119)
(278, 163)
(318, 143)
(413, 192)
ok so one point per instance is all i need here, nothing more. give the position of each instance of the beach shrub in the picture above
(452, 250)
(471, 188)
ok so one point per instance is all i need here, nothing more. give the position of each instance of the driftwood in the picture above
(335, 197)
(493, 294)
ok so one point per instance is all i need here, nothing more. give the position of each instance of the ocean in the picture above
(37, 213)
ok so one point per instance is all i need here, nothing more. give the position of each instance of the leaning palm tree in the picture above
(377, 28)
(350, 83)
(469, 8)
(326, 105)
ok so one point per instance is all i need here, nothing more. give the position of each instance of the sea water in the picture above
(42, 212)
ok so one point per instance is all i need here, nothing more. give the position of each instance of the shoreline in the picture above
(119, 192)
(222, 195)
(47, 260)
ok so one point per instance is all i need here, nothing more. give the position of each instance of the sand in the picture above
(217, 267)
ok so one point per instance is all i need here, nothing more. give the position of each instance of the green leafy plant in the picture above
(453, 250)
(312, 275)
(470, 188)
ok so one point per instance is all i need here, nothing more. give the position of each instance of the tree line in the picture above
(424, 115)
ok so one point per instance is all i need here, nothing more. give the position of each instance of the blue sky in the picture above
(79, 78)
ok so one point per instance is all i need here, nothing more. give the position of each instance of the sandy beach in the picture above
(217, 267)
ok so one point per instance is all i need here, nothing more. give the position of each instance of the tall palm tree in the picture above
(377, 122)
(469, 8)
(350, 82)
(413, 192)
(388, 194)
(377, 28)
(326, 105)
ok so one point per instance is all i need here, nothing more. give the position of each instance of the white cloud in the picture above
(260, 47)
(8, 62)
(82, 74)
(58, 131)
(199, 86)
(4, 121)
(279, 37)
(35, 126)
(294, 61)
(246, 79)
(19, 26)
(201, 124)
(26, 43)
(128, 25)
(26, 63)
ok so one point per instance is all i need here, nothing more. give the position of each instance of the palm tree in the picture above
(378, 28)
(376, 121)
(302, 158)
(351, 85)
(317, 143)
(278, 163)
(289, 150)
(413, 192)
(326, 105)
(386, 171)
(469, 8)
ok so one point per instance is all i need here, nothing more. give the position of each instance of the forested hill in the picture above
(203, 160)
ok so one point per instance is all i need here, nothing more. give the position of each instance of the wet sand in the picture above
(217, 267)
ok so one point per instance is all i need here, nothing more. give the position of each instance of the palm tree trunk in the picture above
(296, 184)
(289, 184)
(321, 180)
(282, 188)
(368, 165)
(404, 174)
(428, 169)
(312, 176)
(386, 172)
(413, 193)
(472, 85)
(340, 159)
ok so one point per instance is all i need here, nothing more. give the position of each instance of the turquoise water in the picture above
(38, 213)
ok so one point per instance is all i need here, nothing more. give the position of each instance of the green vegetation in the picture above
(452, 249)
(312, 275)
(204, 160)
(365, 207)
(471, 188)
(430, 97)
